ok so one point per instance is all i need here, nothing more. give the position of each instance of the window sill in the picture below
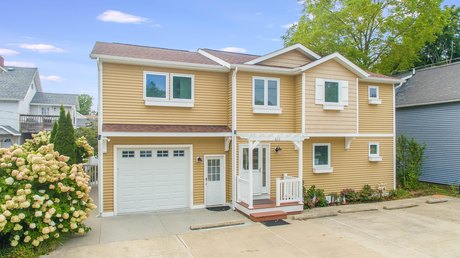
(375, 101)
(260, 110)
(323, 170)
(168, 103)
(332, 107)
(375, 159)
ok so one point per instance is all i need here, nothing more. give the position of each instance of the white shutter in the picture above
(344, 93)
(319, 91)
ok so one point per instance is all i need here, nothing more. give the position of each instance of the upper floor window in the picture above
(374, 96)
(164, 89)
(332, 94)
(266, 95)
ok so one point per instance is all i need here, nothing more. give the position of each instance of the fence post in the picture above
(278, 193)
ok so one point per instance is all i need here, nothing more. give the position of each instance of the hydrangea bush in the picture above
(41, 196)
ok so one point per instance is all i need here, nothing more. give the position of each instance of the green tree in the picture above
(54, 131)
(64, 141)
(380, 35)
(90, 133)
(409, 160)
(447, 44)
(85, 101)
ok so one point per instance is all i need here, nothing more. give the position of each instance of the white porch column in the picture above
(299, 146)
(250, 190)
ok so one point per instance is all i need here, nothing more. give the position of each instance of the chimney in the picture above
(2, 61)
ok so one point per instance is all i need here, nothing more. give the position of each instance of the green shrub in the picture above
(399, 194)
(350, 195)
(314, 197)
(64, 141)
(367, 194)
(409, 159)
(53, 132)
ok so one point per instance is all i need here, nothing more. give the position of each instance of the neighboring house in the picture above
(428, 109)
(24, 107)
(181, 129)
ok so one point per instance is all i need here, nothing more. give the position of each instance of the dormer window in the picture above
(332, 94)
(165, 89)
(374, 96)
(266, 95)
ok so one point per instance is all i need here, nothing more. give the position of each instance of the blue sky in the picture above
(57, 36)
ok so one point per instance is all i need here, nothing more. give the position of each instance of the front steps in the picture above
(268, 215)
(266, 209)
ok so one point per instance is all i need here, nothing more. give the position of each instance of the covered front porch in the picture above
(258, 191)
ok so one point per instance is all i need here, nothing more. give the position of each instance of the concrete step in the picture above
(268, 215)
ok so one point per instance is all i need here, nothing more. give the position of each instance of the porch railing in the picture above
(91, 170)
(242, 190)
(288, 189)
(36, 123)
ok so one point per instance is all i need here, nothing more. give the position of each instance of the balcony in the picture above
(36, 123)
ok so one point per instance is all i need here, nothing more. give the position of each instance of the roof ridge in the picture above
(229, 52)
(436, 67)
(136, 45)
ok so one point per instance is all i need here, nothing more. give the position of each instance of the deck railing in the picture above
(242, 189)
(288, 189)
(91, 170)
(36, 123)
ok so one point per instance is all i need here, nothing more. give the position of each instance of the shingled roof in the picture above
(15, 81)
(55, 98)
(431, 85)
(231, 57)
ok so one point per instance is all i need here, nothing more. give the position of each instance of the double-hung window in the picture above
(332, 94)
(168, 89)
(374, 152)
(266, 95)
(322, 158)
(374, 97)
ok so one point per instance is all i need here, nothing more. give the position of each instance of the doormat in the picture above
(219, 208)
(272, 223)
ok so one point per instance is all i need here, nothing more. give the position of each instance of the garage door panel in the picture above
(152, 183)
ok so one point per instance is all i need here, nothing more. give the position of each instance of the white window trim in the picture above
(318, 169)
(339, 94)
(374, 101)
(374, 157)
(192, 77)
(266, 109)
(168, 100)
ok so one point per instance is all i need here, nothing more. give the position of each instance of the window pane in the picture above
(272, 93)
(155, 86)
(182, 87)
(255, 158)
(331, 92)
(258, 92)
(374, 149)
(321, 155)
(245, 158)
(372, 93)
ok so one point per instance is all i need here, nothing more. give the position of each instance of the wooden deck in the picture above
(266, 209)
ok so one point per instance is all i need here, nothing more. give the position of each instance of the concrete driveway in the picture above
(428, 230)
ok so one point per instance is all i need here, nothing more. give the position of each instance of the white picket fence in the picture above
(288, 189)
(91, 170)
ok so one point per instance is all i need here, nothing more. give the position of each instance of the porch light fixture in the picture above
(199, 159)
(278, 149)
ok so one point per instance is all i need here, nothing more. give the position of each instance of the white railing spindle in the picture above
(287, 190)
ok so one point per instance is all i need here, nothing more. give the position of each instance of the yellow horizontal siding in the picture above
(289, 59)
(201, 147)
(376, 118)
(352, 168)
(123, 100)
(298, 104)
(247, 121)
(330, 121)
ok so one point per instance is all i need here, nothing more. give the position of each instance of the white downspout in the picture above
(234, 189)
(100, 143)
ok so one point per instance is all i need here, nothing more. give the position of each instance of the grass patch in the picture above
(29, 251)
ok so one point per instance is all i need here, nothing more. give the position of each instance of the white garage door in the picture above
(152, 179)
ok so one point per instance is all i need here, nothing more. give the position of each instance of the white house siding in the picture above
(24, 105)
(438, 126)
(9, 114)
(53, 110)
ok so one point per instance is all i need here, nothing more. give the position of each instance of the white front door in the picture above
(260, 168)
(214, 177)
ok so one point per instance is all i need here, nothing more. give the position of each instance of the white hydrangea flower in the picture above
(9, 181)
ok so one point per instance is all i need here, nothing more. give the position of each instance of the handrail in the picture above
(288, 189)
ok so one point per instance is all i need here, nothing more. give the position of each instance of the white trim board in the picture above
(348, 135)
(341, 60)
(299, 47)
(214, 58)
(152, 134)
(12, 133)
(155, 146)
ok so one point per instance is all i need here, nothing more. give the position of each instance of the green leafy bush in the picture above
(350, 195)
(409, 160)
(314, 197)
(64, 141)
(367, 194)
(399, 194)
(41, 196)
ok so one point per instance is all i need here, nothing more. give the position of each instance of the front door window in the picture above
(259, 168)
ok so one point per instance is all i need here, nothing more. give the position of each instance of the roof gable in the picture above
(339, 59)
(290, 59)
(16, 81)
(299, 47)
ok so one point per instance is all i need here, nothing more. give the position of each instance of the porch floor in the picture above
(267, 203)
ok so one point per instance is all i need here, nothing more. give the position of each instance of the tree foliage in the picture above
(64, 141)
(447, 44)
(90, 133)
(54, 131)
(85, 101)
(381, 35)
(409, 159)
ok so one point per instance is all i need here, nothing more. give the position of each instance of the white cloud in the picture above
(42, 48)
(120, 17)
(301, 1)
(234, 49)
(19, 64)
(53, 78)
(7, 52)
(289, 25)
